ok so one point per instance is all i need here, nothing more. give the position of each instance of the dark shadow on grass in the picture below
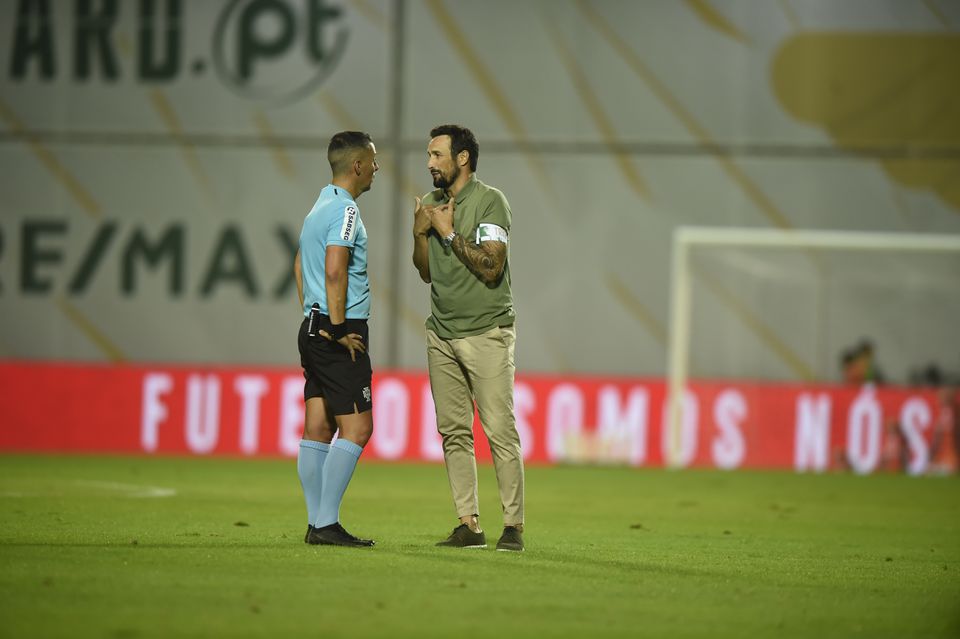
(141, 545)
(553, 560)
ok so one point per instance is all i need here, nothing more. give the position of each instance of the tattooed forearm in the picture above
(485, 261)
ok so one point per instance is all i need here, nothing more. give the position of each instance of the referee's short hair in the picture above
(461, 139)
(342, 148)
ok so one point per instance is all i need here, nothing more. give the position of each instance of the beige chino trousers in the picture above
(477, 370)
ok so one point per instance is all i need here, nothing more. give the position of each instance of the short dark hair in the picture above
(461, 139)
(341, 147)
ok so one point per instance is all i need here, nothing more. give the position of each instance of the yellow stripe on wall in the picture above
(95, 335)
(277, 150)
(937, 12)
(459, 41)
(716, 20)
(791, 14)
(338, 111)
(371, 12)
(169, 116)
(600, 118)
(752, 321)
(636, 308)
(80, 195)
(748, 186)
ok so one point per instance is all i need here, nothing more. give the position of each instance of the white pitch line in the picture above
(129, 490)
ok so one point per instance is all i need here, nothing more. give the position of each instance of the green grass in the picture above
(611, 552)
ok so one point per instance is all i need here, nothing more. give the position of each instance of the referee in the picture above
(334, 291)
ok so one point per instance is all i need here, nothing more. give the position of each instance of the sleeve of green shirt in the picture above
(496, 210)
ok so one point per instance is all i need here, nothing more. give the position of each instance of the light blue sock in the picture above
(337, 472)
(310, 468)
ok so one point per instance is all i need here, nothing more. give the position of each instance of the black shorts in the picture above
(330, 373)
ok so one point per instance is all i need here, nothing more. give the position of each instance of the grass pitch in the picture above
(131, 548)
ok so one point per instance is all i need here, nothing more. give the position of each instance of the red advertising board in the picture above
(259, 412)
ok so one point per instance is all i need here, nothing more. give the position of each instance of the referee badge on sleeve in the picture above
(349, 228)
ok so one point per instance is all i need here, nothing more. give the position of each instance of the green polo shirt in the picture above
(461, 305)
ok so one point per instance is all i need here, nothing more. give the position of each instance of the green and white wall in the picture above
(158, 157)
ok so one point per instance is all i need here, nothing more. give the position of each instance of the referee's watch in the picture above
(448, 240)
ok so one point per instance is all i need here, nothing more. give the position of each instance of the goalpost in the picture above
(686, 240)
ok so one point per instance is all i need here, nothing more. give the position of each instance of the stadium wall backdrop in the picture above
(159, 157)
(164, 410)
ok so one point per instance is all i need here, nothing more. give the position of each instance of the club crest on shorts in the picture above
(366, 393)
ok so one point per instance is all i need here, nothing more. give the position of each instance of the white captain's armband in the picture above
(491, 233)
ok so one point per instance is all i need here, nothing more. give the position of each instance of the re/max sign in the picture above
(228, 262)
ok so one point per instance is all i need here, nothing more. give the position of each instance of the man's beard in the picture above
(441, 182)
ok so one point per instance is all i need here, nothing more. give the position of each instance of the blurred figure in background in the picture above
(944, 451)
(461, 233)
(858, 364)
(945, 445)
(895, 453)
(858, 367)
(851, 369)
(331, 274)
(867, 356)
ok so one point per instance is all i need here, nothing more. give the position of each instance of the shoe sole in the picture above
(333, 543)
(462, 547)
(343, 543)
(509, 549)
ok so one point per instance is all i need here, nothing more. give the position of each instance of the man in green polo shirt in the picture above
(461, 235)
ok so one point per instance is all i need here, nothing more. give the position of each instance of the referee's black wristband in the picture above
(338, 330)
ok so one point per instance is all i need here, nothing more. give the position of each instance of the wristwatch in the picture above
(448, 240)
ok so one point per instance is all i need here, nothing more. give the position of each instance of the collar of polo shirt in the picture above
(467, 189)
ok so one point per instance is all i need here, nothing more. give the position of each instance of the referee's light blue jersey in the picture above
(334, 220)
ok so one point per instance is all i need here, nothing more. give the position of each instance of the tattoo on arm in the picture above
(486, 261)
